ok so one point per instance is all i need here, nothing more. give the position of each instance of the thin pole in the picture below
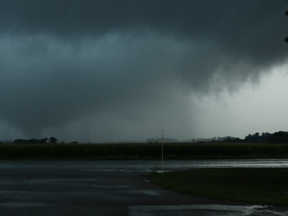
(162, 152)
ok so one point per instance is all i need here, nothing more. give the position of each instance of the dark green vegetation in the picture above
(143, 151)
(286, 39)
(255, 186)
(277, 137)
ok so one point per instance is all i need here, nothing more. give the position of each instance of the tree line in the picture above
(277, 137)
(286, 39)
(36, 141)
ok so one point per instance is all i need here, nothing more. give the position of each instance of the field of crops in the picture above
(142, 151)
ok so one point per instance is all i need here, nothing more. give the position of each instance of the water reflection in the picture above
(244, 163)
(146, 165)
(171, 165)
(207, 210)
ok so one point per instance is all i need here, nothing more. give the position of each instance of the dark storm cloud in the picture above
(250, 30)
(62, 60)
(48, 89)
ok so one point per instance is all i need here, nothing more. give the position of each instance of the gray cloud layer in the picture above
(131, 63)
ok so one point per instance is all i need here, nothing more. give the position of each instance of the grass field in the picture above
(255, 186)
(142, 151)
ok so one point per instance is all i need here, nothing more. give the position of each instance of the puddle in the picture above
(116, 170)
(211, 210)
(22, 205)
(163, 171)
(146, 192)
(111, 186)
(172, 165)
(143, 165)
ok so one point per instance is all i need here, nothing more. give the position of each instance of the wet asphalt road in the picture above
(101, 188)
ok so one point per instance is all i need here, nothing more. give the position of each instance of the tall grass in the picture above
(142, 151)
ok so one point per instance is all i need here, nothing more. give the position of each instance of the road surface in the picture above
(101, 188)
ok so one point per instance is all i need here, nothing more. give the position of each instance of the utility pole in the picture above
(162, 152)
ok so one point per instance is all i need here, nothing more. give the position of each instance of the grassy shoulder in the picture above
(255, 186)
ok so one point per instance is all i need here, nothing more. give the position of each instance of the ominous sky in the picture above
(110, 70)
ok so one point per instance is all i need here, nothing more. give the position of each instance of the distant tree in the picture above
(255, 138)
(21, 141)
(43, 140)
(279, 137)
(52, 140)
(33, 141)
(248, 138)
(286, 39)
